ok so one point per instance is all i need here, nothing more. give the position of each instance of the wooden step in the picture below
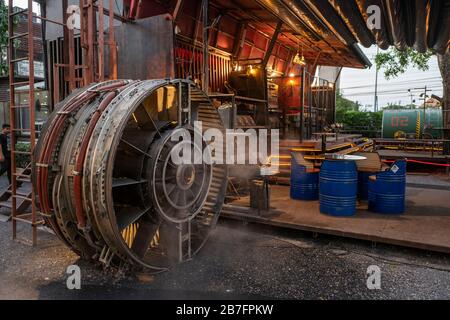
(6, 204)
(21, 204)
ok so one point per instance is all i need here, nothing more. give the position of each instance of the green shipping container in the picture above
(412, 124)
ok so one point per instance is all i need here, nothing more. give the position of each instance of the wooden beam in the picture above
(314, 66)
(272, 43)
(176, 10)
(290, 61)
(239, 40)
(303, 99)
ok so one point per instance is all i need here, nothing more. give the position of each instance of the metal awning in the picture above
(327, 31)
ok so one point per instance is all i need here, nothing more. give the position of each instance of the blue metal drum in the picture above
(304, 185)
(363, 184)
(387, 192)
(338, 187)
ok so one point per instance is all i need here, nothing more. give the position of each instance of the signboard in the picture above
(23, 69)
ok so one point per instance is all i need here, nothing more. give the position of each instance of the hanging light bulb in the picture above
(299, 59)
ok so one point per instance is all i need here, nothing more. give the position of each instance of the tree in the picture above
(343, 104)
(3, 38)
(396, 106)
(395, 62)
(348, 113)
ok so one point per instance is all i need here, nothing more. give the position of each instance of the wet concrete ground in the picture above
(239, 262)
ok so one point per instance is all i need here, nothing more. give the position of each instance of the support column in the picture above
(205, 78)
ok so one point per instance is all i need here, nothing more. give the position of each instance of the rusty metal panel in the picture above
(189, 61)
(145, 49)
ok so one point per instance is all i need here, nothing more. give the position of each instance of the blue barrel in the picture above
(363, 184)
(387, 192)
(338, 187)
(304, 185)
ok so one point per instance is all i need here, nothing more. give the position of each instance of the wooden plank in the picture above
(424, 226)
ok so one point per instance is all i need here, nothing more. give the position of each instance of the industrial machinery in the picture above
(107, 184)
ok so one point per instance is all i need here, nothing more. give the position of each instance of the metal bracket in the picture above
(106, 256)
(62, 112)
(41, 165)
(46, 215)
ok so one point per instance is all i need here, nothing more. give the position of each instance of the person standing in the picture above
(5, 151)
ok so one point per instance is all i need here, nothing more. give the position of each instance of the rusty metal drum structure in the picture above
(107, 184)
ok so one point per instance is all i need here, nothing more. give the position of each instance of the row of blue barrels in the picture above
(339, 184)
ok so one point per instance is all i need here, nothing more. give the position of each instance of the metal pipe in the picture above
(382, 35)
(439, 26)
(101, 41)
(350, 13)
(205, 78)
(395, 16)
(112, 45)
(422, 12)
(31, 101)
(334, 22)
(12, 113)
(302, 97)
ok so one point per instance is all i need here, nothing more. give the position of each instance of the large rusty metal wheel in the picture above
(106, 181)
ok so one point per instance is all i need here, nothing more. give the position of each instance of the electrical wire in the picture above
(402, 82)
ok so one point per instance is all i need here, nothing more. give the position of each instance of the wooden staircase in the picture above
(23, 192)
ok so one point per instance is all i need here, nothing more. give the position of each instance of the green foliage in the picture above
(22, 160)
(3, 37)
(395, 62)
(343, 104)
(395, 106)
(347, 113)
(365, 121)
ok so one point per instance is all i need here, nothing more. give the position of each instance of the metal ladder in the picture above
(17, 174)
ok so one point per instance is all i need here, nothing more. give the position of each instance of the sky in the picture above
(24, 4)
(359, 84)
